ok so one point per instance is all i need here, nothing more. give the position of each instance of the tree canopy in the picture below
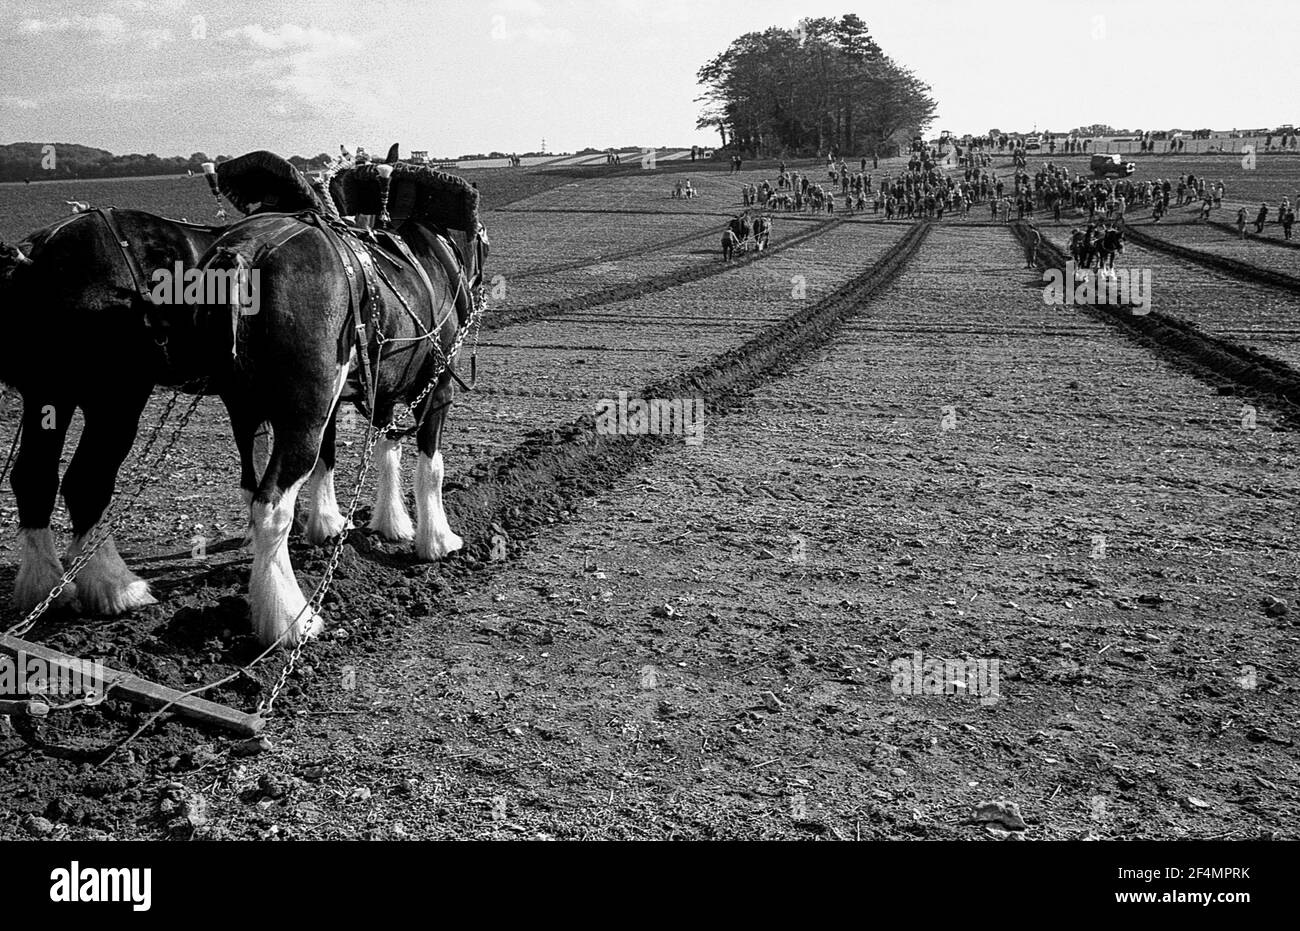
(823, 85)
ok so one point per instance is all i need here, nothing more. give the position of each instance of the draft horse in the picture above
(83, 333)
(369, 317)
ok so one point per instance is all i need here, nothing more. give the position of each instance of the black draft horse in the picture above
(80, 334)
(301, 355)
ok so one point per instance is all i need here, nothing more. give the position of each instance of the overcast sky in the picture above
(459, 76)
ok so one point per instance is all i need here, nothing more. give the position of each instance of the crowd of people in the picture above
(934, 185)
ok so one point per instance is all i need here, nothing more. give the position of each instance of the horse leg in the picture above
(104, 585)
(35, 481)
(324, 519)
(433, 538)
(250, 435)
(390, 519)
(279, 611)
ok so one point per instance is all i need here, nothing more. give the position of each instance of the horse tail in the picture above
(241, 283)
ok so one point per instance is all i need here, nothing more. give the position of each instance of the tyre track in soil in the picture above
(521, 493)
(1267, 377)
(554, 702)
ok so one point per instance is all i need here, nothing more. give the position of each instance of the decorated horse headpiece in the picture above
(407, 192)
(264, 180)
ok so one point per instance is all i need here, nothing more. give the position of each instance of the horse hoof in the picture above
(28, 593)
(314, 627)
(439, 548)
(113, 597)
(322, 528)
(307, 628)
(396, 528)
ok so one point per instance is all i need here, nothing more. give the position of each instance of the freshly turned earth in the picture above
(696, 641)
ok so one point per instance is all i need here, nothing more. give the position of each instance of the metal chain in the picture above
(104, 527)
(373, 436)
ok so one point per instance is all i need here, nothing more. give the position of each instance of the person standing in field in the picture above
(1033, 239)
(1260, 219)
(1241, 222)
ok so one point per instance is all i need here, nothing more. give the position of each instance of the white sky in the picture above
(457, 76)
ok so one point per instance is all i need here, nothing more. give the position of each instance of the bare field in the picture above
(717, 640)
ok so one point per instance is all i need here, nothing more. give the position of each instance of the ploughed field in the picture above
(940, 544)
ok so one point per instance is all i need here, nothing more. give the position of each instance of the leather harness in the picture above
(365, 303)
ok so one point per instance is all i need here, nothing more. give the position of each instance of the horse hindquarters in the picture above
(280, 612)
(293, 380)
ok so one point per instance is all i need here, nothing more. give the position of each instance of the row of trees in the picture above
(825, 85)
(35, 161)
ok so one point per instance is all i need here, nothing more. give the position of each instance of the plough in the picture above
(122, 685)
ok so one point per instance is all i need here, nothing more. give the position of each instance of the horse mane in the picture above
(267, 179)
(415, 192)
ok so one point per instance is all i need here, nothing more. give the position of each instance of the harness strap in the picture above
(128, 255)
(359, 271)
(453, 264)
(289, 226)
(55, 227)
(405, 251)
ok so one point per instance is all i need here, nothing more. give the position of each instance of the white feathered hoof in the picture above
(324, 526)
(39, 572)
(390, 519)
(434, 538)
(105, 585)
(280, 612)
(323, 520)
(438, 547)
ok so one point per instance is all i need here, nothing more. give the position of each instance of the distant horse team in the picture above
(746, 232)
(1096, 248)
(368, 311)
